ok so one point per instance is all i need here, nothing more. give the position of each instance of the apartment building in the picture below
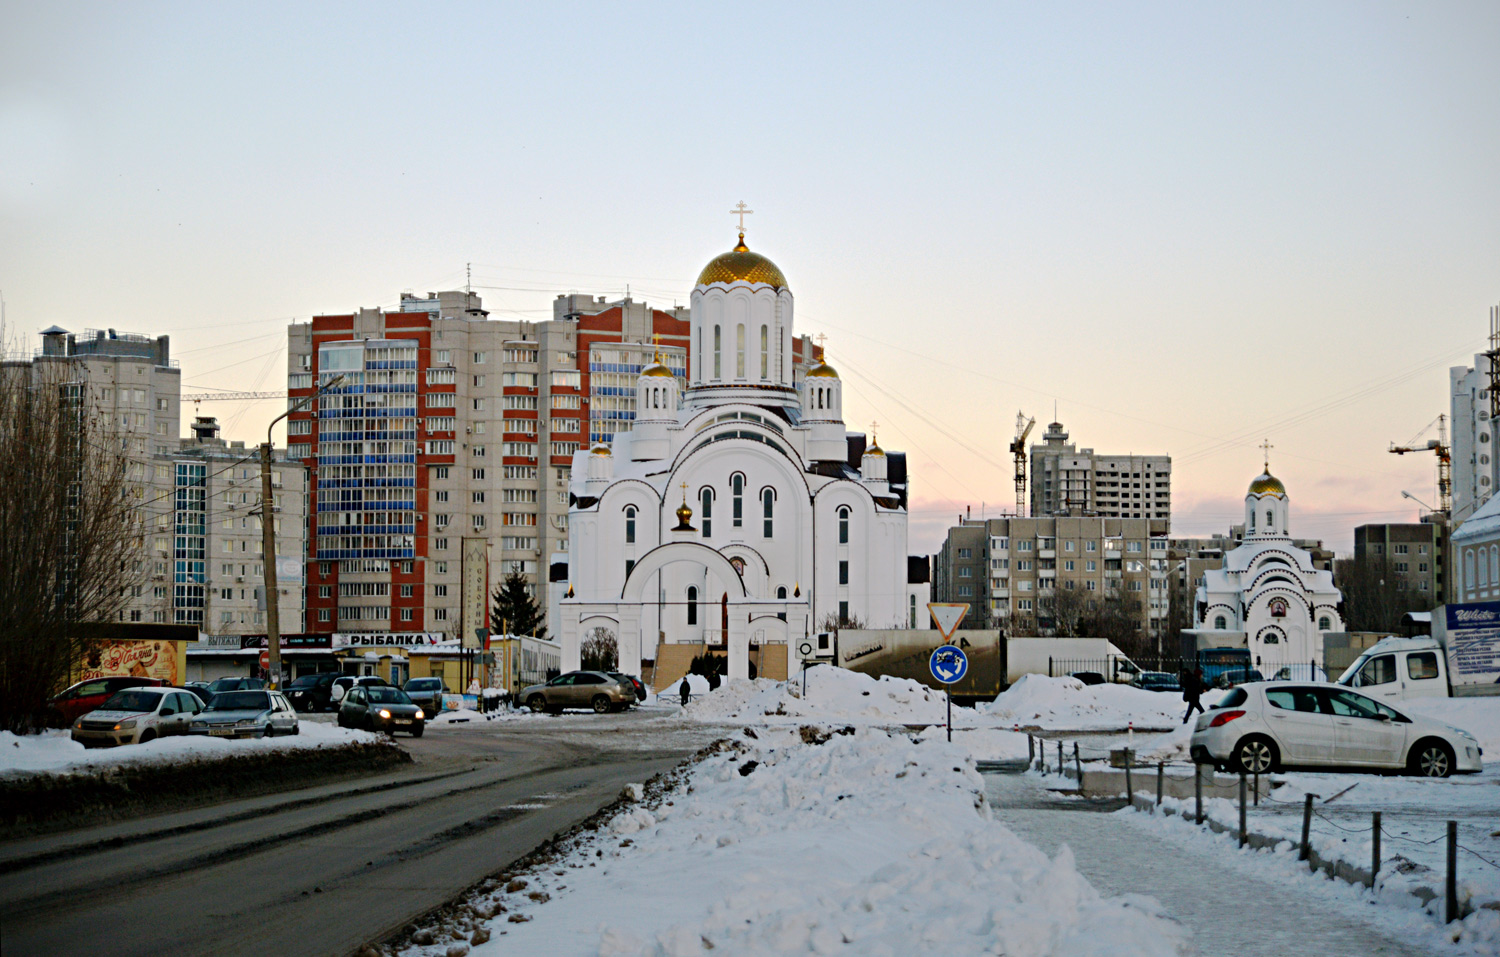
(1413, 553)
(441, 461)
(1475, 469)
(1011, 571)
(1069, 481)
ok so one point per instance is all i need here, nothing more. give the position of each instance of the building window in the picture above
(844, 572)
(406, 591)
(706, 510)
(629, 566)
(767, 505)
(1324, 624)
(739, 351)
(843, 611)
(480, 358)
(844, 525)
(406, 614)
(765, 357)
(325, 614)
(737, 499)
(1220, 623)
(692, 605)
(781, 596)
(630, 524)
(717, 353)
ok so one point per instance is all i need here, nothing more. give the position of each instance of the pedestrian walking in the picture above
(684, 690)
(1192, 690)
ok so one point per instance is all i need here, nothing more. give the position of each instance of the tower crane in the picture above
(1024, 425)
(1439, 446)
(231, 396)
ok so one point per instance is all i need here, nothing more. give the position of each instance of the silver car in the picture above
(580, 689)
(246, 714)
(137, 715)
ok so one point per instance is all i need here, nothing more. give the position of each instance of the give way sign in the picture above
(947, 615)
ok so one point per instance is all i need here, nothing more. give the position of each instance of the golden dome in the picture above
(822, 371)
(875, 450)
(600, 449)
(1267, 484)
(657, 369)
(741, 265)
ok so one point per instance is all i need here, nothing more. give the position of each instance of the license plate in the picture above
(221, 732)
(403, 721)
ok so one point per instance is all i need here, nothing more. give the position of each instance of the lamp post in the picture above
(268, 538)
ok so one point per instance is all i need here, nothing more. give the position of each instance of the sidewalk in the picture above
(1230, 910)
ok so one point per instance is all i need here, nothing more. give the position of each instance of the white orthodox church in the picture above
(1268, 597)
(739, 509)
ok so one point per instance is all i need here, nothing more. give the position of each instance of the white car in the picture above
(1262, 726)
(138, 715)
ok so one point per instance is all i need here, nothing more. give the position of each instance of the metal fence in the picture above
(1216, 669)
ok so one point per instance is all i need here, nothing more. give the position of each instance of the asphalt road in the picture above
(323, 870)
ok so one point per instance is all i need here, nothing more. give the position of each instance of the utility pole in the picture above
(268, 538)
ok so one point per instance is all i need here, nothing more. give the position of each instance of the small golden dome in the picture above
(657, 369)
(875, 450)
(600, 449)
(1267, 484)
(684, 518)
(822, 371)
(741, 265)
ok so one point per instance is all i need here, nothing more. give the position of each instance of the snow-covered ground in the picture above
(832, 694)
(1067, 704)
(868, 842)
(55, 751)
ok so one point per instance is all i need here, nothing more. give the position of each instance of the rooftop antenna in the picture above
(469, 278)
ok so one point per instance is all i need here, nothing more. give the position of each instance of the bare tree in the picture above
(71, 534)
(1066, 608)
(599, 650)
(1117, 617)
(833, 621)
(1375, 597)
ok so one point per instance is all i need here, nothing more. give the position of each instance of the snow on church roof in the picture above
(1482, 524)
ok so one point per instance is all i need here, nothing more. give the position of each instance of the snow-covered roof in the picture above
(1482, 524)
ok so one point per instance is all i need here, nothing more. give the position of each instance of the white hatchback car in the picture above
(138, 715)
(1262, 726)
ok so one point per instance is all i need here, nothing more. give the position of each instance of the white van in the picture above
(1400, 668)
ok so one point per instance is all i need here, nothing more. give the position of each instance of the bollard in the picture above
(1256, 794)
(1060, 767)
(1198, 790)
(1374, 848)
(1306, 849)
(1452, 882)
(1161, 770)
(1078, 765)
(1129, 789)
(1030, 750)
(1243, 837)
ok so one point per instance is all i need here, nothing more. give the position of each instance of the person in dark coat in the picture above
(713, 680)
(684, 690)
(1192, 690)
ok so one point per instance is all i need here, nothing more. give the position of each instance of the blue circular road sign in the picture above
(948, 663)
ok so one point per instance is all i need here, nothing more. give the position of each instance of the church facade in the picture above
(738, 509)
(1269, 597)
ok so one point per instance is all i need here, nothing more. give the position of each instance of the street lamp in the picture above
(268, 537)
(1417, 500)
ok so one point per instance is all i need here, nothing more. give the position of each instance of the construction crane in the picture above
(1024, 425)
(232, 396)
(1440, 447)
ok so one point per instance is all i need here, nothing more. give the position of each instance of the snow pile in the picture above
(53, 751)
(1174, 747)
(1067, 704)
(832, 695)
(867, 842)
(982, 744)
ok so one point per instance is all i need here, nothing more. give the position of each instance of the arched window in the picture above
(718, 345)
(1270, 521)
(1220, 623)
(765, 353)
(1484, 567)
(692, 604)
(630, 525)
(1469, 568)
(781, 594)
(739, 350)
(706, 510)
(737, 499)
(1495, 564)
(767, 503)
(1324, 624)
(843, 524)
(1252, 520)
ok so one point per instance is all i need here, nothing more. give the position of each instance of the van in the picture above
(1400, 668)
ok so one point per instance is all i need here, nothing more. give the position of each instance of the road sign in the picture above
(947, 615)
(948, 663)
(265, 660)
(805, 649)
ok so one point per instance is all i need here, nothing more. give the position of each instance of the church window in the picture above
(844, 572)
(781, 594)
(1270, 522)
(1469, 568)
(1484, 568)
(1324, 624)
(844, 525)
(1220, 623)
(765, 352)
(768, 503)
(692, 604)
(630, 525)
(739, 350)
(843, 612)
(718, 345)
(629, 566)
(706, 510)
(737, 499)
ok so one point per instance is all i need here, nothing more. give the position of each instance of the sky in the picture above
(1177, 228)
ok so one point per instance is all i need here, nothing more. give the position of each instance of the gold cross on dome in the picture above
(741, 210)
(874, 438)
(821, 338)
(684, 493)
(1266, 448)
(656, 346)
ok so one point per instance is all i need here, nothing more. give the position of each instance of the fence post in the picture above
(1256, 798)
(1452, 882)
(1243, 837)
(1049, 667)
(1030, 750)
(1129, 789)
(1078, 766)
(1198, 790)
(1374, 848)
(1306, 850)
(1061, 765)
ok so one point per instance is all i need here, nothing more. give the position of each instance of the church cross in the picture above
(1266, 448)
(874, 438)
(741, 210)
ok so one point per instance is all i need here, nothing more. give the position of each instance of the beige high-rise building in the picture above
(1069, 481)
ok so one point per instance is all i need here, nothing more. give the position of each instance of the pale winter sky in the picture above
(1190, 226)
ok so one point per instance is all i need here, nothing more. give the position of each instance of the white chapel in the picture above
(1269, 596)
(738, 509)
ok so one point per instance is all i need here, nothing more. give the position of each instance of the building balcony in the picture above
(1047, 553)
(999, 592)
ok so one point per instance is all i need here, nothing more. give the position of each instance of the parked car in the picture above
(426, 693)
(1232, 677)
(65, 708)
(199, 688)
(247, 714)
(633, 681)
(1399, 668)
(343, 683)
(1262, 726)
(235, 684)
(312, 692)
(1088, 677)
(580, 689)
(381, 707)
(1157, 681)
(137, 715)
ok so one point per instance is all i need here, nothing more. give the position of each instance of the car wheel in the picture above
(536, 703)
(147, 735)
(602, 705)
(297, 728)
(416, 732)
(1254, 755)
(1431, 759)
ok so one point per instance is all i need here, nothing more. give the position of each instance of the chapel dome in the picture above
(1267, 484)
(822, 371)
(657, 369)
(741, 265)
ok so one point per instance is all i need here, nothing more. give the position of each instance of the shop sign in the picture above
(409, 640)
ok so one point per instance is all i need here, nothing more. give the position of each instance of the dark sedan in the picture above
(381, 708)
(312, 692)
(632, 680)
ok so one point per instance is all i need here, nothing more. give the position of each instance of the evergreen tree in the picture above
(514, 611)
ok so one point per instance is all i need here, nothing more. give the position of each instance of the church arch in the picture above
(662, 555)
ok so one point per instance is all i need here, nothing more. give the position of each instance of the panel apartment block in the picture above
(1068, 481)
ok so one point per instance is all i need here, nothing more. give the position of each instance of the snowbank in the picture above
(1067, 704)
(869, 843)
(832, 695)
(55, 751)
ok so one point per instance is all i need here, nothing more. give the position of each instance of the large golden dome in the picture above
(1267, 484)
(741, 265)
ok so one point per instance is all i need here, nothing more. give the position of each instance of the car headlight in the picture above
(384, 713)
(199, 724)
(77, 723)
(419, 716)
(125, 725)
(247, 722)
